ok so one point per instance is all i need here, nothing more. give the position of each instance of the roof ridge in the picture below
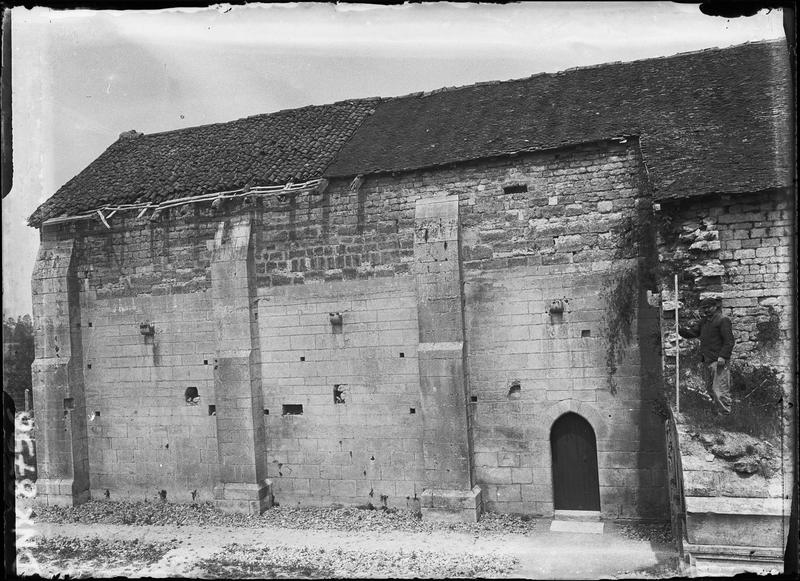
(582, 67)
(378, 99)
(665, 57)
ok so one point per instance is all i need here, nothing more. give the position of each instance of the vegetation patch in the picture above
(18, 356)
(768, 332)
(756, 396)
(619, 317)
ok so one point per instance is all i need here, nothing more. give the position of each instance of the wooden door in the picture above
(575, 481)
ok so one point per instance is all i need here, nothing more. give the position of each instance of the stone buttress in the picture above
(58, 386)
(241, 436)
(449, 493)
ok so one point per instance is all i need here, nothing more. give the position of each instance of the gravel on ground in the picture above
(659, 533)
(342, 518)
(154, 538)
(62, 551)
(237, 561)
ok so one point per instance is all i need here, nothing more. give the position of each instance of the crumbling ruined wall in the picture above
(739, 248)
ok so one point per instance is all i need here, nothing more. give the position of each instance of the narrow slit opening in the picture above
(515, 189)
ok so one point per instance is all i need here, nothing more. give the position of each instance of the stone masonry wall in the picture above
(533, 228)
(358, 439)
(168, 253)
(350, 232)
(567, 238)
(560, 228)
(143, 436)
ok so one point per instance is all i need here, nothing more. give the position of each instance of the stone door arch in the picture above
(574, 454)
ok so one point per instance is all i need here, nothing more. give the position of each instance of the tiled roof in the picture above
(271, 149)
(716, 120)
(711, 121)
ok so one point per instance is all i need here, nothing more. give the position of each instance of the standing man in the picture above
(716, 346)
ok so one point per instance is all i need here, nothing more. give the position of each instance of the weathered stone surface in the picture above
(392, 427)
(59, 398)
(753, 522)
(241, 437)
(707, 269)
(451, 505)
(705, 246)
(729, 451)
(748, 465)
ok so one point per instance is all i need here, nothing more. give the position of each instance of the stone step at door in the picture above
(577, 521)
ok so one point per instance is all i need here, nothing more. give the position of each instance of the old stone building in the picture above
(440, 298)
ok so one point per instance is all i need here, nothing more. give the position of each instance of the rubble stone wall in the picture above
(168, 253)
(739, 248)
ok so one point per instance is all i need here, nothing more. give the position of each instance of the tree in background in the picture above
(18, 355)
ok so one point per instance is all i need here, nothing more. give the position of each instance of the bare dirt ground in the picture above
(344, 543)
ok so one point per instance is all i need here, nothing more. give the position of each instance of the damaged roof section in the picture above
(716, 120)
(272, 149)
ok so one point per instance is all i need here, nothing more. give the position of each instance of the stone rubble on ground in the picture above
(276, 561)
(745, 454)
(658, 533)
(343, 518)
(79, 557)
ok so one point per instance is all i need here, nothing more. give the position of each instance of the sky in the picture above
(82, 77)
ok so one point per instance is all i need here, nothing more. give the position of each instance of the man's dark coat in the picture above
(716, 337)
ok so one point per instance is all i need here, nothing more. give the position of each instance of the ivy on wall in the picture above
(635, 240)
(619, 317)
(768, 332)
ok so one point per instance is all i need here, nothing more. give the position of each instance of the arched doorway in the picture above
(574, 448)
